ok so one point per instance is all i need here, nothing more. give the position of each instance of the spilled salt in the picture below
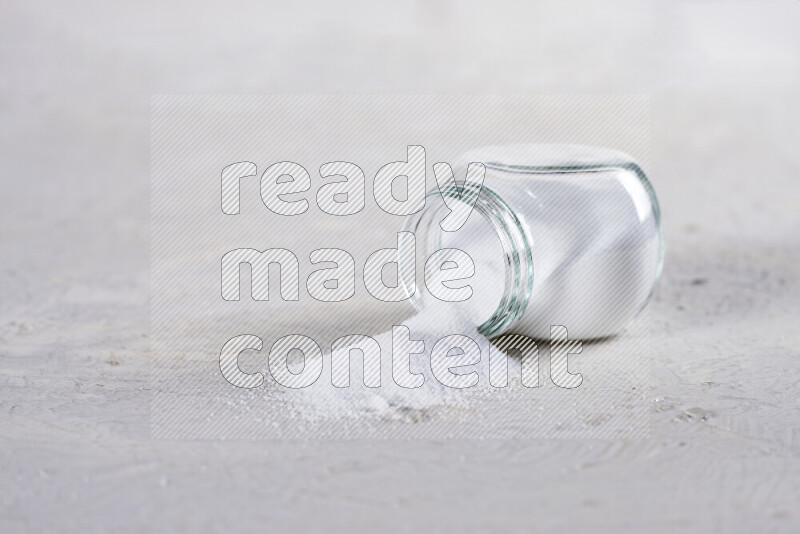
(391, 400)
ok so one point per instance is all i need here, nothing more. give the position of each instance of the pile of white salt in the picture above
(390, 400)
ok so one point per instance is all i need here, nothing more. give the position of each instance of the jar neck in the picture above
(516, 245)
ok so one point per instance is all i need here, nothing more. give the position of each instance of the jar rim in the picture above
(517, 247)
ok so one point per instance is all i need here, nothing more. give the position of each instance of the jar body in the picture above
(582, 248)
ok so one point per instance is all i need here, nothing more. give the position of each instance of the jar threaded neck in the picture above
(516, 244)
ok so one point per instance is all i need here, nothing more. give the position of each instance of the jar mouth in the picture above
(516, 244)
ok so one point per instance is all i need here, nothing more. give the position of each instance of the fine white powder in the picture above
(594, 255)
(391, 401)
(433, 322)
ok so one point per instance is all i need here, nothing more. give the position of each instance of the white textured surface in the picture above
(74, 414)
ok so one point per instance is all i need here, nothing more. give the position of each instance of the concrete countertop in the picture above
(75, 448)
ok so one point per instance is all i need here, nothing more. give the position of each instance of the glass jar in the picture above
(566, 235)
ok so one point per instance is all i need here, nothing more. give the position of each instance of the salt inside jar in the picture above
(560, 235)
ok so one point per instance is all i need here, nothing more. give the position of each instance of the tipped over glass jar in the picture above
(566, 235)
